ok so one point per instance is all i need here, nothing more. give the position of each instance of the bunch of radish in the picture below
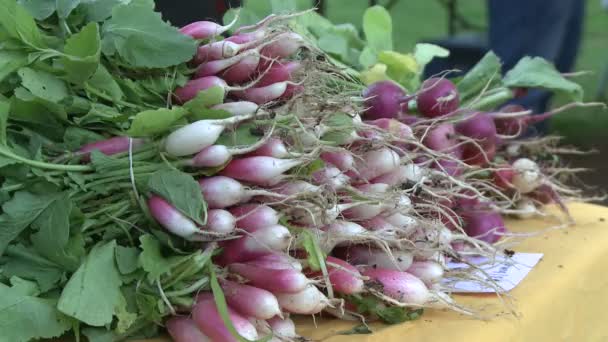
(348, 192)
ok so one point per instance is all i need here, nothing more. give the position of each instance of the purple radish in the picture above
(441, 138)
(210, 322)
(254, 216)
(215, 67)
(275, 280)
(170, 218)
(220, 221)
(344, 277)
(250, 301)
(259, 170)
(480, 127)
(383, 99)
(484, 225)
(306, 302)
(400, 286)
(429, 272)
(238, 108)
(184, 329)
(408, 119)
(437, 97)
(257, 242)
(109, 146)
(205, 29)
(342, 159)
(215, 50)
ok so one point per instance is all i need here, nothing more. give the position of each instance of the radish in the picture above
(342, 159)
(285, 45)
(429, 272)
(210, 322)
(221, 192)
(376, 162)
(243, 70)
(484, 225)
(378, 223)
(275, 280)
(344, 277)
(254, 216)
(441, 138)
(215, 67)
(394, 127)
(258, 242)
(237, 108)
(247, 37)
(410, 172)
(330, 176)
(283, 327)
(527, 175)
(220, 221)
(265, 94)
(383, 99)
(109, 146)
(278, 72)
(259, 170)
(215, 50)
(193, 87)
(341, 233)
(276, 261)
(170, 218)
(400, 260)
(480, 127)
(401, 221)
(192, 138)
(219, 155)
(309, 301)
(205, 29)
(437, 97)
(184, 329)
(525, 208)
(408, 119)
(250, 301)
(503, 177)
(297, 187)
(400, 286)
(274, 147)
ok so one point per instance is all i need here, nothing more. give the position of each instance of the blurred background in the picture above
(462, 27)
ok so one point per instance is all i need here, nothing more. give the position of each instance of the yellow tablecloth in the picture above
(564, 298)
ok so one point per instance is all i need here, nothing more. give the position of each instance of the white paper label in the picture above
(505, 272)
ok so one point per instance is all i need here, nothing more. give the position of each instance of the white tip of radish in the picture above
(525, 209)
(307, 302)
(527, 175)
(192, 138)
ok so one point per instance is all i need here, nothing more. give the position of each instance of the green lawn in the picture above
(417, 20)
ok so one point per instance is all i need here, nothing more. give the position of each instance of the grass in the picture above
(414, 21)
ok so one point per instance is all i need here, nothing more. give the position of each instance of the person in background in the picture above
(548, 29)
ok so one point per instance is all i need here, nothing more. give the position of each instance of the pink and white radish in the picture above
(206, 29)
(480, 127)
(220, 221)
(331, 177)
(171, 219)
(215, 50)
(277, 261)
(309, 301)
(256, 243)
(429, 272)
(342, 159)
(283, 327)
(237, 108)
(375, 163)
(110, 146)
(399, 260)
(259, 170)
(344, 277)
(285, 280)
(250, 301)
(400, 286)
(210, 322)
(484, 225)
(273, 147)
(221, 192)
(254, 216)
(184, 329)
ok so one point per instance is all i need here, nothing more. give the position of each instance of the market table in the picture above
(563, 298)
